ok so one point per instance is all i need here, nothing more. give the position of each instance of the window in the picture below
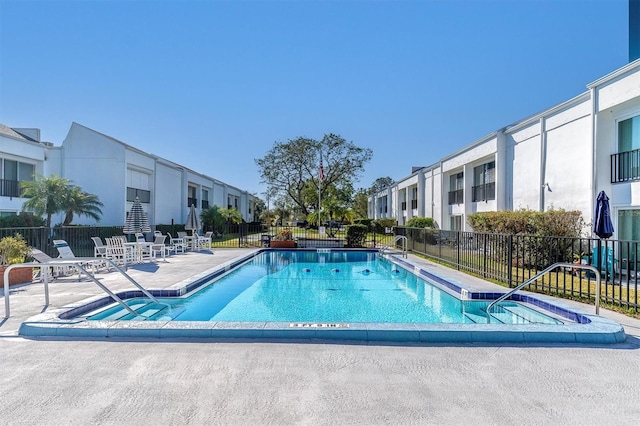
(414, 197)
(484, 182)
(143, 195)
(191, 196)
(456, 223)
(14, 172)
(205, 198)
(628, 230)
(456, 188)
(625, 165)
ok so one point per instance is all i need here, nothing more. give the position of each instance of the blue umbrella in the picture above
(602, 225)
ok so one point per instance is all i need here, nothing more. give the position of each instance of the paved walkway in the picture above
(190, 382)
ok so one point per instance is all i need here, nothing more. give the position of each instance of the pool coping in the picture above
(588, 328)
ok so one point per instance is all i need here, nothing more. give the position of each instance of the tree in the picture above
(291, 168)
(81, 203)
(211, 217)
(380, 184)
(361, 204)
(231, 215)
(46, 196)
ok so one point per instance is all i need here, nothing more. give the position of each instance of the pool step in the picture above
(147, 311)
(477, 319)
(528, 315)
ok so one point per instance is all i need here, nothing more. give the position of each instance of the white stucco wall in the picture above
(568, 171)
(523, 168)
(98, 165)
(479, 149)
(170, 198)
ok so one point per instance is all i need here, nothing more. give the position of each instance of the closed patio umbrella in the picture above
(603, 228)
(602, 225)
(193, 220)
(137, 220)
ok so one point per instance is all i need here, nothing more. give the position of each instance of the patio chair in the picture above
(118, 253)
(100, 249)
(608, 264)
(204, 241)
(158, 248)
(176, 244)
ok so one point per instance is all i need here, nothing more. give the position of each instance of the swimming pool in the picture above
(322, 287)
(329, 294)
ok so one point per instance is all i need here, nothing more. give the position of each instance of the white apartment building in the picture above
(560, 158)
(114, 171)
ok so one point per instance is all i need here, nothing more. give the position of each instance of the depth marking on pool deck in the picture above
(313, 325)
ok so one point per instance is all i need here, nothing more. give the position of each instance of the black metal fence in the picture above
(512, 259)
(231, 236)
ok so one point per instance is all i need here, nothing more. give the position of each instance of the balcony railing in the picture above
(9, 188)
(484, 192)
(625, 166)
(456, 197)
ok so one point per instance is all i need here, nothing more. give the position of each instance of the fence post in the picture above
(458, 249)
(484, 258)
(509, 259)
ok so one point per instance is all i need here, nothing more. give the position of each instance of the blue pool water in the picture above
(312, 287)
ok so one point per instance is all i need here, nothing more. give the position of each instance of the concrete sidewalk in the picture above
(193, 382)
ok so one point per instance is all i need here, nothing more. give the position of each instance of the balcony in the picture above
(456, 197)
(625, 166)
(484, 192)
(9, 188)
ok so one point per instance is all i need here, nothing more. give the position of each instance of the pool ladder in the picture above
(393, 244)
(545, 271)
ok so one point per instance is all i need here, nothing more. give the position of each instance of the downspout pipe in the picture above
(543, 162)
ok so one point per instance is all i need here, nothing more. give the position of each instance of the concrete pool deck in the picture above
(191, 381)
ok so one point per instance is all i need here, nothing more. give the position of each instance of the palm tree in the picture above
(81, 203)
(231, 215)
(46, 196)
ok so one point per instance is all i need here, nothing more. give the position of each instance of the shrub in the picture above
(536, 249)
(356, 235)
(421, 222)
(22, 220)
(366, 222)
(557, 223)
(284, 235)
(13, 250)
(381, 224)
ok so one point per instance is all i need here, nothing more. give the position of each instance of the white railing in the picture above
(80, 263)
(393, 243)
(541, 273)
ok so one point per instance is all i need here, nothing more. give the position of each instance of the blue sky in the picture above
(213, 84)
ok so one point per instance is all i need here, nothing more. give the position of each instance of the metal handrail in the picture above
(395, 240)
(77, 262)
(544, 271)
